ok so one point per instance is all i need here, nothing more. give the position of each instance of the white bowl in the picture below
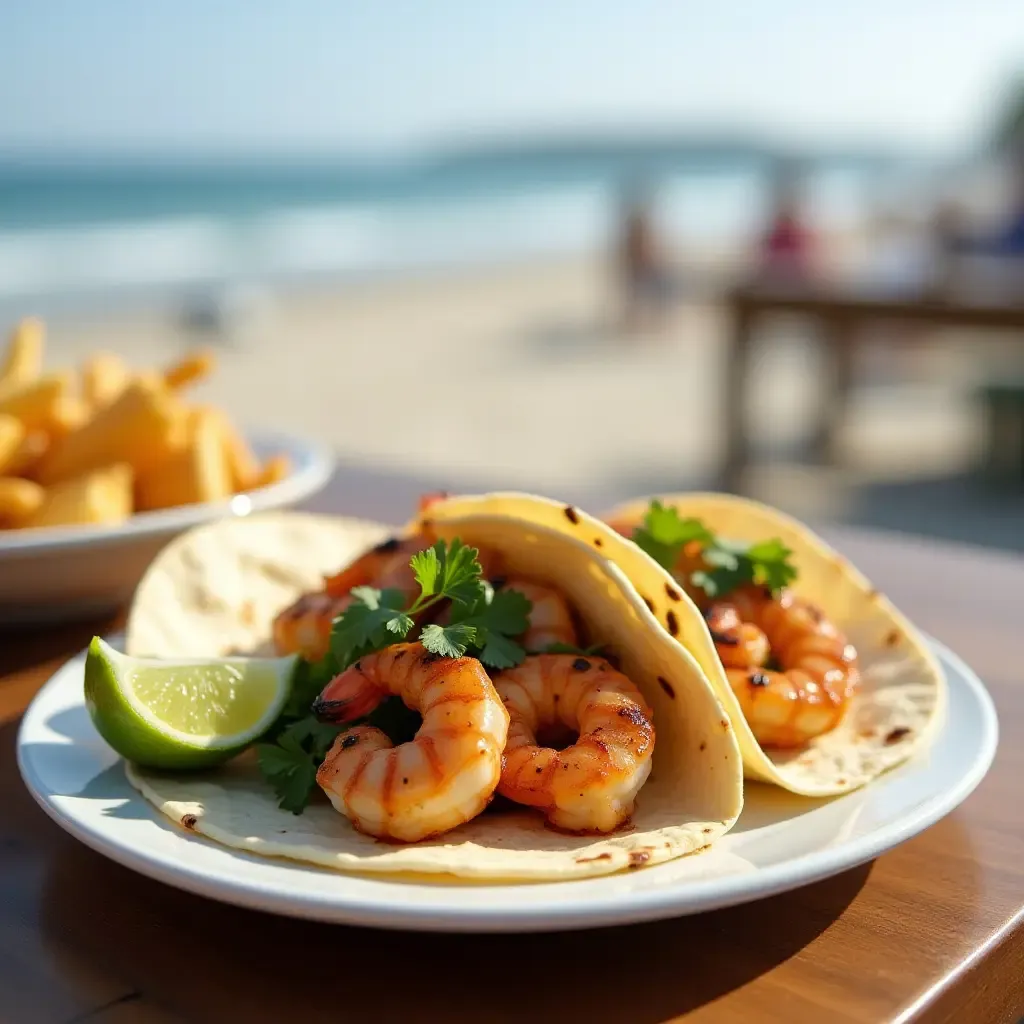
(61, 573)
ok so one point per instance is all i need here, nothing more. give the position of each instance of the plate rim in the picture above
(314, 470)
(615, 909)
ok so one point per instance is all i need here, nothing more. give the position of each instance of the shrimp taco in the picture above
(476, 695)
(827, 683)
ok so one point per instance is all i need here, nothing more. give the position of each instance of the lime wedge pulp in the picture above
(191, 713)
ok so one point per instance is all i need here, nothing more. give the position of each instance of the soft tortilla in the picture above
(902, 696)
(694, 793)
(214, 590)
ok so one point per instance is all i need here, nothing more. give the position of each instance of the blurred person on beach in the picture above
(787, 247)
(642, 264)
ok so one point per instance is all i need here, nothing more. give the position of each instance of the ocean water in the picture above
(74, 234)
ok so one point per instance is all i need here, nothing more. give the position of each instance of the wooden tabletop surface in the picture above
(933, 928)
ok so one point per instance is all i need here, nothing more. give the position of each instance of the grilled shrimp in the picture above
(550, 620)
(819, 672)
(443, 777)
(590, 786)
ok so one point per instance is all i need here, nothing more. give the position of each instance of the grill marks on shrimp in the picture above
(591, 785)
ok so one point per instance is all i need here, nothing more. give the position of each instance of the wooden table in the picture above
(841, 316)
(933, 929)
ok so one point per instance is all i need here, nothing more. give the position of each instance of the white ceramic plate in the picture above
(67, 572)
(780, 842)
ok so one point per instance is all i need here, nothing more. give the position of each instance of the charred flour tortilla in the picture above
(694, 793)
(902, 695)
(902, 692)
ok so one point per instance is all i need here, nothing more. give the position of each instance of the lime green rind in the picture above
(144, 742)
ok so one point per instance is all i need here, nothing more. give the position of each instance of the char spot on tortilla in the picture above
(724, 723)
(673, 594)
(638, 858)
(667, 687)
(893, 638)
(650, 604)
(703, 745)
(672, 622)
(706, 831)
(598, 543)
(571, 514)
(599, 856)
(895, 735)
(189, 821)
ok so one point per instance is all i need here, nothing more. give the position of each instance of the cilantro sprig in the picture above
(481, 621)
(727, 565)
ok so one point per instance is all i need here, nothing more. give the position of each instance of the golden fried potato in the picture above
(12, 434)
(197, 473)
(69, 413)
(144, 426)
(193, 367)
(103, 496)
(104, 376)
(20, 500)
(34, 445)
(34, 403)
(243, 466)
(273, 471)
(24, 357)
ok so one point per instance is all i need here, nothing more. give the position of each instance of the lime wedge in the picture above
(182, 714)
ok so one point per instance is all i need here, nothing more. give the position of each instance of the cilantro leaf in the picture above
(730, 565)
(448, 570)
(290, 770)
(451, 641)
(772, 567)
(665, 533)
(496, 617)
(498, 651)
(312, 734)
(374, 619)
(426, 567)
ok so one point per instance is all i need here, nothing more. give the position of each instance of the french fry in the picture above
(197, 473)
(69, 413)
(192, 368)
(33, 447)
(243, 466)
(103, 496)
(34, 403)
(20, 500)
(275, 469)
(104, 376)
(12, 433)
(143, 427)
(24, 358)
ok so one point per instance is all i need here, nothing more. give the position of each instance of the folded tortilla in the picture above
(902, 694)
(216, 589)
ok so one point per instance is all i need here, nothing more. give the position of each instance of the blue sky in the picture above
(225, 76)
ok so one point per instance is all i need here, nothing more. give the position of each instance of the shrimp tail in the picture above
(348, 696)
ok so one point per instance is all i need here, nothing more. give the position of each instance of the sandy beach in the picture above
(518, 376)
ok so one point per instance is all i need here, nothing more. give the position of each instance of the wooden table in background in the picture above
(935, 928)
(841, 317)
